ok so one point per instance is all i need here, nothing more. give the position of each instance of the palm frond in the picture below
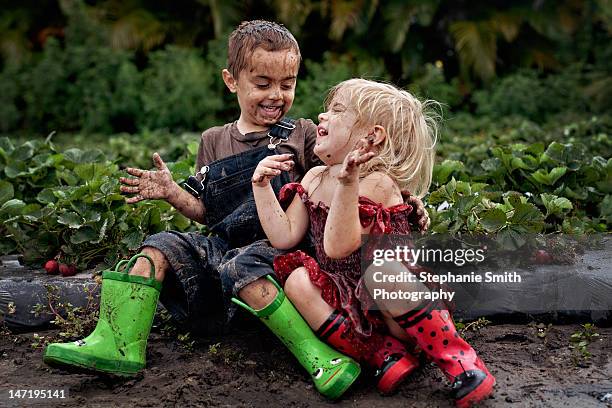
(225, 14)
(399, 17)
(137, 29)
(14, 46)
(293, 14)
(476, 45)
(344, 15)
(508, 24)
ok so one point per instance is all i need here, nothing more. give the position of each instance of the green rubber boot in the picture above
(118, 343)
(332, 372)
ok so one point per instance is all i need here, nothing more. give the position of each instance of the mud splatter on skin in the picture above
(269, 81)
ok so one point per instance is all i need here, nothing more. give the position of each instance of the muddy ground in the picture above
(250, 368)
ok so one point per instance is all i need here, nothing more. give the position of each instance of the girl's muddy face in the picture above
(266, 88)
(336, 132)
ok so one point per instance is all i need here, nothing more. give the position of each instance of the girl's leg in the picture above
(385, 354)
(430, 325)
(306, 297)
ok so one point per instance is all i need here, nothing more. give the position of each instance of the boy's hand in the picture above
(153, 185)
(349, 173)
(271, 167)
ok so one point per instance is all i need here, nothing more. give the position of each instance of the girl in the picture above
(376, 141)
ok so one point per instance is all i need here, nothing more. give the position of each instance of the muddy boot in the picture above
(332, 372)
(118, 343)
(390, 359)
(434, 331)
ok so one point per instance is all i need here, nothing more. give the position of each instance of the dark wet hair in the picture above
(257, 33)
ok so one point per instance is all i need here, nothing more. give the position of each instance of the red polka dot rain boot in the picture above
(432, 328)
(390, 358)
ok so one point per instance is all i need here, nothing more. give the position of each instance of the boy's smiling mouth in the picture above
(271, 111)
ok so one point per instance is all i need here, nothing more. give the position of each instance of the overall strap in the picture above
(280, 132)
(283, 128)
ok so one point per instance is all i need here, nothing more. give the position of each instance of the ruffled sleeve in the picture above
(371, 212)
(288, 192)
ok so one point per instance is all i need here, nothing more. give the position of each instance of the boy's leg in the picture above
(258, 294)
(141, 268)
(188, 265)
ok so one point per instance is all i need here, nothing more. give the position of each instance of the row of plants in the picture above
(511, 189)
(59, 201)
(66, 205)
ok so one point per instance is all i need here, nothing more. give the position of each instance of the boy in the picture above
(200, 274)
(263, 62)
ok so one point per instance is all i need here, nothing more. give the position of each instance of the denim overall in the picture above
(228, 196)
(207, 271)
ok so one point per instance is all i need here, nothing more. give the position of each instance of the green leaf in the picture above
(71, 219)
(556, 205)
(73, 155)
(93, 156)
(510, 238)
(528, 216)
(85, 234)
(180, 222)
(109, 186)
(493, 219)
(605, 209)
(133, 239)
(16, 169)
(556, 152)
(12, 207)
(491, 165)
(23, 152)
(441, 228)
(6, 145)
(85, 171)
(549, 178)
(6, 191)
(442, 171)
(46, 196)
(68, 177)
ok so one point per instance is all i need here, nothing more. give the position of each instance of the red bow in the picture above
(370, 211)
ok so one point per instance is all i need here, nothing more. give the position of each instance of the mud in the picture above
(251, 368)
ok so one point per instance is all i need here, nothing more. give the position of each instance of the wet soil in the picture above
(251, 368)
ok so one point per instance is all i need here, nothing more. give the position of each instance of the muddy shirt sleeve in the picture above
(206, 151)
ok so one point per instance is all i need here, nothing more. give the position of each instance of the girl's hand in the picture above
(153, 185)
(419, 217)
(271, 167)
(349, 173)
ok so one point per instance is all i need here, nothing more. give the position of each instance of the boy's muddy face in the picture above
(266, 88)
(336, 135)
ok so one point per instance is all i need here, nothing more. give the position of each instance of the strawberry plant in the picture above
(68, 203)
(523, 188)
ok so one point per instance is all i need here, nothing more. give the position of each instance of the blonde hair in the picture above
(408, 152)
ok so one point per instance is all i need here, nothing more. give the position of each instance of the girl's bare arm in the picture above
(284, 229)
(343, 230)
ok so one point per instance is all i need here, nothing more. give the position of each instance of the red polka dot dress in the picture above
(340, 280)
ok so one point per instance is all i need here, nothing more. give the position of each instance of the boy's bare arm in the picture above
(159, 185)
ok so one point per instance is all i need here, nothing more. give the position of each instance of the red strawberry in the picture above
(52, 267)
(541, 257)
(67, 270)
